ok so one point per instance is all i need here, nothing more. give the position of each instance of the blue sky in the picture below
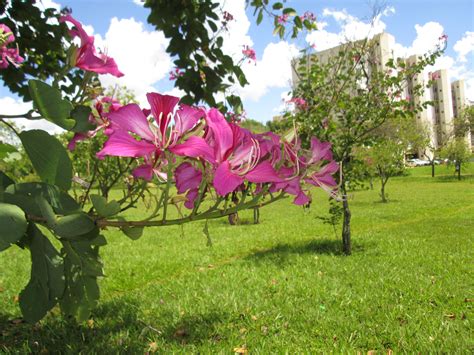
(415, 25)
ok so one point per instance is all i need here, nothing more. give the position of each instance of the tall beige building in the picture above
(442, 108)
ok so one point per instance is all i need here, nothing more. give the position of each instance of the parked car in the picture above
(418, 162)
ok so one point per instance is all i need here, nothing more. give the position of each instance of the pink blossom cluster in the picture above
(175, 74)
(98, 118)
(86, 56)
(250, 54)
(227, 16)
(308, 15)
(8, 55)
(282, 19)
(209, 149)
(299, 102)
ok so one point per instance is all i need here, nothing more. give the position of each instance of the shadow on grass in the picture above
(281, 252)
(117, 327)
(453, 178)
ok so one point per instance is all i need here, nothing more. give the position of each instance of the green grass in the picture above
(283, 285)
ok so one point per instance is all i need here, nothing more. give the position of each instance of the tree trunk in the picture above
(459, 171)
(233, 219)
(256, 215)
(382, 190)
(346, 225)
(371, 183)
(432, 169)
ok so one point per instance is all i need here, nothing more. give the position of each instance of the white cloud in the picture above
(350, 29)
(11, 106)
(272, 71)
(140, 55)
(138, 2)
(465, 46)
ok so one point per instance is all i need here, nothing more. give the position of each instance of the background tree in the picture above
(349, 98)
(458, 153)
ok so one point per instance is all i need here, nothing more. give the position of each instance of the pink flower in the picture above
(299, 102)
(103, 106)
(308, 15)
(250, 54)
(282, 19)
(233, 151)
(175, 74)
(227, 16)
(8, 55)
(169, 125)
(86, 56)
(6, 35)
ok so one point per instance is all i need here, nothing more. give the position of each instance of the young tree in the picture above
(458, 153)
(349, 97)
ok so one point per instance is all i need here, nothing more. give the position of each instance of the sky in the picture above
(121, 29)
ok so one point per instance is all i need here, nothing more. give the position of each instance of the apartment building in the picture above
(448, 98)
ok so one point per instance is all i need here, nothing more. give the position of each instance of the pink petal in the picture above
(187, 117)
(190, 198)
(222, 133)
(329, 168)
(143, 171)
(263, 172)
(320, 150)
(98, 63)
(194, 147)
(121, 144)
(79, 31)
(76, 138)
(187, 177)
(301, 199)
(130, 118)
(162, 107)
(224, 181)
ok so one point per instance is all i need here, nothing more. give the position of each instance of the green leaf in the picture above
(46, 211)
(74, 225)
(5, 180)
(133, 233)
(298, 22)
(289, 11)
(260, 17)
(24, 195)
(103, 208)
(49, 158)
(212, 25)
(13, 225)
(6, 149)
(82, 266)
(49, 103)
(277, 6)
(81, 114)
(47, 282)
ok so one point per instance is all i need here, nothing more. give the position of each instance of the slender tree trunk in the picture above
(382, 189)
(256, 215)
(346, 224)
(432, 169)
(459, 171)
(371, 183)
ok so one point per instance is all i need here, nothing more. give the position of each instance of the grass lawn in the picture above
(283, 285)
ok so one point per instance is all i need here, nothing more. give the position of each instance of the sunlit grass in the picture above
(282, 285)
